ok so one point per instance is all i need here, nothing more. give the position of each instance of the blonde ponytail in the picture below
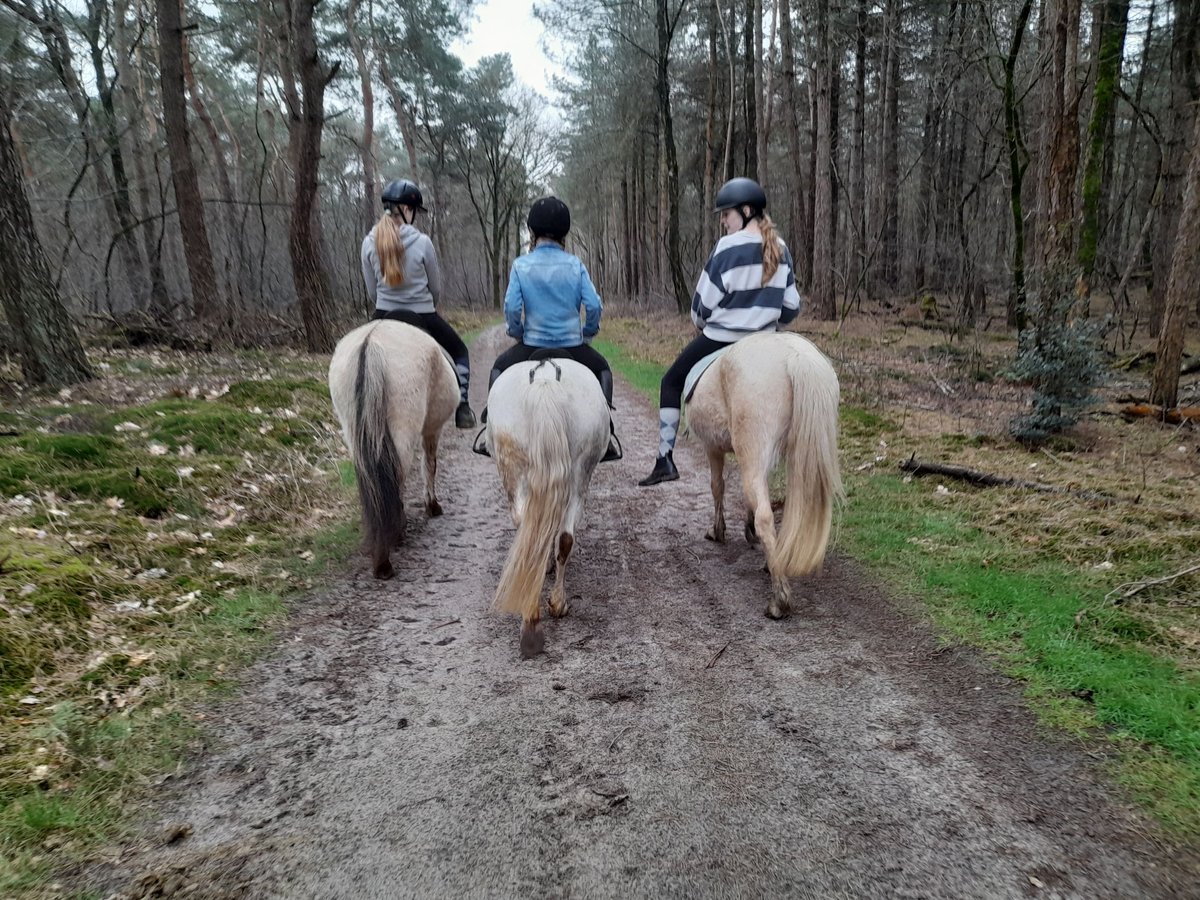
(390, 250)
(772, 254)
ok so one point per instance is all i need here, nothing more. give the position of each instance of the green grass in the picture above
(196, 521)
(1090, 668)
(644, 375)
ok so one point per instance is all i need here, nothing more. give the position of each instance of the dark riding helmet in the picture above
(549, 217)
(739, 192)
(402, 192)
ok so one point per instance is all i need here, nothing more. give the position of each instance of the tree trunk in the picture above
(1185, 35)
(135, 109)
(1114, 16)
(1185, 272)
(1018, 162)
(46, 340)
(1062, 161)
(306, 113)
(366, 147)
(824, 305)
(802, 253)
(665, 31)
(858, 171)
(207, 303)
(889, 156)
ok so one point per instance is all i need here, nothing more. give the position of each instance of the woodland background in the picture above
(205, 172)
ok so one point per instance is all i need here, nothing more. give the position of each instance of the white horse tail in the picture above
(814, 479)
(548, 488)
(376, 459)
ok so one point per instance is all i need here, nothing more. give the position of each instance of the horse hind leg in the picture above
(558, 593)
(430, 446)
(761, 517)
(716, 469)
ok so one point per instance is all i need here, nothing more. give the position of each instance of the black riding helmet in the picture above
(402, 192)
(739, 192)
(549, 217)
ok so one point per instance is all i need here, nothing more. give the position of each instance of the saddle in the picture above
(694, 374)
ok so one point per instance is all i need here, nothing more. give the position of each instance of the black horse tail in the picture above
(376, 461)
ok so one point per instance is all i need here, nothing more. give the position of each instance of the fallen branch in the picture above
(918, 468)
(1175, 416)
(712, 662)
(1129, 588)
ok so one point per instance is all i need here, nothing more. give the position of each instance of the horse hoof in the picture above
(384, 570)
(533, 640)
(433, 509)
(778, 612)
(559, 610)
(751, 534)
(717, 537)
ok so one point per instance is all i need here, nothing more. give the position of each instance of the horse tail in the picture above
(548, 483)
(376, 459)
(814, 480)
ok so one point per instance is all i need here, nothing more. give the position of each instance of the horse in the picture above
(773, 396)
(547, 429)
(392, 386)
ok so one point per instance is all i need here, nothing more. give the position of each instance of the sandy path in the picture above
(381, 752)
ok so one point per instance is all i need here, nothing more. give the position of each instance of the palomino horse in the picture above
(771, 397)
(547, 429)
(391, 386)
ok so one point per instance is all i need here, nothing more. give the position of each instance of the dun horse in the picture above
(772, 397)
(392, 386)
(547, 430)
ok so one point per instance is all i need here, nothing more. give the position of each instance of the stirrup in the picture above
(612, 454)
(480, 446)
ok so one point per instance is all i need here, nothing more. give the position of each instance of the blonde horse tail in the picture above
(548, 483)
(376, 459)
(813, 476)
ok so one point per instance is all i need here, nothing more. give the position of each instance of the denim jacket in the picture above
(546, 287)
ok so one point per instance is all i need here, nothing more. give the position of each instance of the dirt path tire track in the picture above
(380, 752)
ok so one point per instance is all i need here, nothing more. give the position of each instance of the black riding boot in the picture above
(664, 470)
(614, 451)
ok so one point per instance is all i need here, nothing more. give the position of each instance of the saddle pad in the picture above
(693, 376)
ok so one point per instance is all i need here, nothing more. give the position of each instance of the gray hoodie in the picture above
(422, 278)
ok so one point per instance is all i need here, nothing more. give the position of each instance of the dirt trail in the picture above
(395, 745)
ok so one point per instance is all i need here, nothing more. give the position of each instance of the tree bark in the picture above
(1018, 162)
(1185, 35)
(46, 340)
(665, 30)
(824, 305)
(366, 147)
(1185, 271)
(1114, 16)
(207, 303)
(305, 80)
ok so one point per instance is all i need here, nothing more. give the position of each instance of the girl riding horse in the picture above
(400, 268)
(546, 289)
(746, 287)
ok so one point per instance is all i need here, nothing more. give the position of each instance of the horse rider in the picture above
(546, 288)
(747, 286)
(400, 268)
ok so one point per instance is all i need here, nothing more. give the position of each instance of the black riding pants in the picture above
(519, 352)
(670, 392)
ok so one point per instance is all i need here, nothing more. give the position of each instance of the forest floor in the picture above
(673, 741)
